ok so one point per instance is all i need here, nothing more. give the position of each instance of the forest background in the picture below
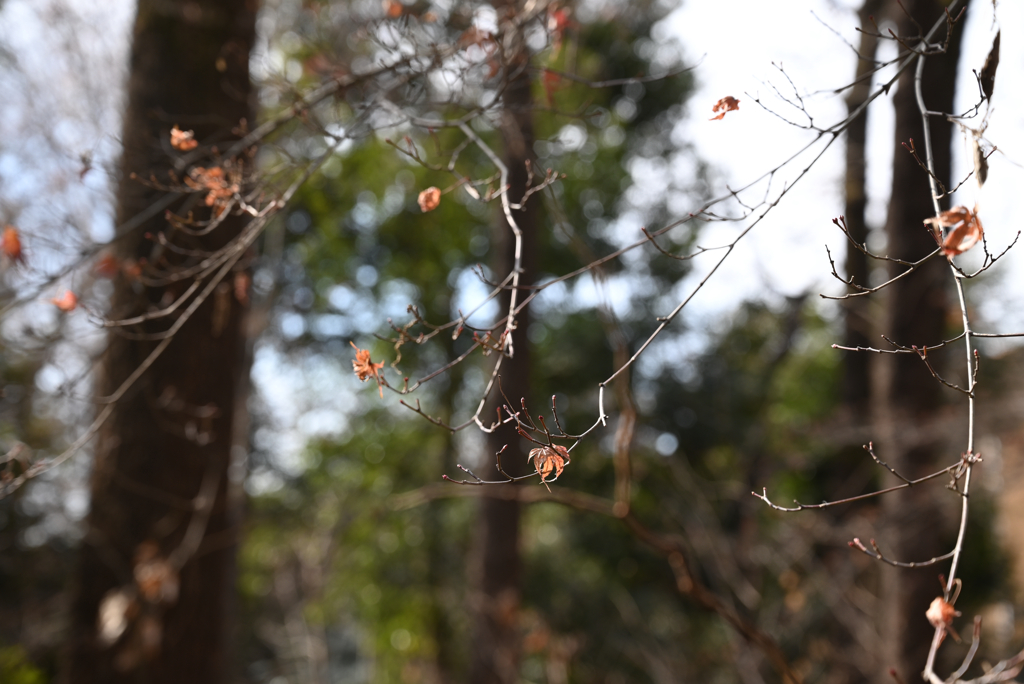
(353, 564)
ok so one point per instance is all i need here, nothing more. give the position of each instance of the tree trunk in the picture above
(171, 436)
(916, 314)
(495, 648)
(857, 333)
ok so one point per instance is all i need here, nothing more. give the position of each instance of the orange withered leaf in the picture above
(219, 188)
(66, 303)
(107, 266)
(183, 140)
(941, 613)
(155, 577)
(723, 106)
(429, 199)
(365, 368)
(549, 459)
(964, 227)
(393, 8)
(10, 244)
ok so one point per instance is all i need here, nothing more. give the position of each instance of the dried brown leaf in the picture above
(156, 579)
(987, 77)
(964, 228)
(10, 244)
(980, 164)
(183, 140)
(220, 188)
(941, 613)
(549, 459)
(429, 199)
(67, 302)
(365, 368)
(723, 106)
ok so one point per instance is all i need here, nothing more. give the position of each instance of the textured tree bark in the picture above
(916, 314)
(494, 658)
(174, 430)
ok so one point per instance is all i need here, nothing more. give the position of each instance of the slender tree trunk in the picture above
(857, 333)
(171, 436)
(495, 648)
(916, 314)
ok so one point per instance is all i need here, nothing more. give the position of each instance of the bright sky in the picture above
(787, 251)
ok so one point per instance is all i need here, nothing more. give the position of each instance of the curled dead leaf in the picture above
(155, 577)
(67, 302)
(723, 106)
(10, 244)
(549, 459)
(429, 199)
(183, 140)
(980, 164)
(365, 368)
(941, 613)
(987, 77)
(220, 187)
(964, 228)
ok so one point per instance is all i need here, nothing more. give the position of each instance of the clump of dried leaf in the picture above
(549, 459)
(219, 185)
(964, 227)
(429, 199)
(183, 140)
(131, 617)
(67, 302)
(723, 106)
(365, 368)
(10, 244)
(941, 613)
(155, 577)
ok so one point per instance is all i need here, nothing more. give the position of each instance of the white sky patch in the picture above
(785, 254)
(469, 299)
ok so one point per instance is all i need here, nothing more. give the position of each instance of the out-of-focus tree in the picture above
(916, 309)
(153, 584)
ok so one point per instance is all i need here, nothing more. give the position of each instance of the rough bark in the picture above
(175, 428)
(494, 658)
(916, 314)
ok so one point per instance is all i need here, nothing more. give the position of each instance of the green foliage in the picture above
(16, 668)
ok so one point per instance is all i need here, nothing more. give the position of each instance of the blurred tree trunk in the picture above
(857, 333)
(917, 306)
(173, 432)
(494, 658)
